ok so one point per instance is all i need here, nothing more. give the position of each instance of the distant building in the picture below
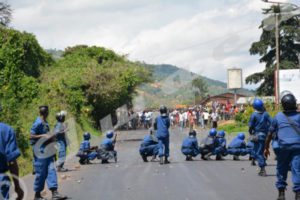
(249, 100)
(222, 98)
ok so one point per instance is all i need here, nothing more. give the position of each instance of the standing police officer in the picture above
(259, 124)
(9, 153)
(162, 125)
(60, 130)
(286, 127)
(44, 163)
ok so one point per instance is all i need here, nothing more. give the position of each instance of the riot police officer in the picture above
(162, 125)
(149, 147)
(286, 128)
(44, 162)
(259, 124)
(60, 130)
(9, 153)
(190, 147)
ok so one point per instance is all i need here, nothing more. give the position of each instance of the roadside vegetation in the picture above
(88, 82)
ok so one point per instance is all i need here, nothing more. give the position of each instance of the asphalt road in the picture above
(132, 179)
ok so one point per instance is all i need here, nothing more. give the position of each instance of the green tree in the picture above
(266, 48)
(20, 60)
(93, 79)
(200, 85)
(5, 14)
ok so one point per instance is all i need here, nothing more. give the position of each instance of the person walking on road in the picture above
(285, 131)
(214, 119)
(162, 125)
(44, 162)
(259, 124)
(205, 118)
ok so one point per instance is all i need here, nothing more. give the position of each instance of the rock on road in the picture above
(132, 179)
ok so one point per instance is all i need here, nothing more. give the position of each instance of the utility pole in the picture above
(277, 90)
(277, 36)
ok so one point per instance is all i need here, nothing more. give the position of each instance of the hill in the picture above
(172, 85)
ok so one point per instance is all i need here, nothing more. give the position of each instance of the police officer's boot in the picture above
(38, 196)
(207, 156)
(161, 160)
(57, 196)
(236, 158)
(166, 160)
(153, 158)
(281, 194)
(262, 172)
(253, 162)
(219, 157)
(144, 158)
(297, 197)
(61, 169)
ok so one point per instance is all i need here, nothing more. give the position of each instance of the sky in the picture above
(204, 36)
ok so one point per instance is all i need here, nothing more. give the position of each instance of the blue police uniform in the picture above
(107, 144)
(190, 146)
(250, 147)
(62, 143)
(44, 166)
(162, 134)
(237, 147)
(208, 145)
(220, 148)
(288, 154)
(149, 146)
(259, 123)
(8, 152)
(85, 146)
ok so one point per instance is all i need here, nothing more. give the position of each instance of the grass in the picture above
(233, 128)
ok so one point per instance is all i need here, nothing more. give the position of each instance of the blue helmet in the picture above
(109, 134)
(86, 136)
(241, 136)
(213, 132)
(221, 134)
(258, 104)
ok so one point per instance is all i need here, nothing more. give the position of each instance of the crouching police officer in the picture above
(237, 147)
(220, 149)
(107, 147)
(162, 125)
(286, 126)
(190, 146)
(87, 152)
(9, 153)
(44, 162)
(149, 147)
(259, 124)
(208, 145)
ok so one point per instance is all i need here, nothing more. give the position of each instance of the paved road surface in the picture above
(131, 179)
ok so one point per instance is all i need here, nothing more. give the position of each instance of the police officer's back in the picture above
(190, 147)
(285, 130)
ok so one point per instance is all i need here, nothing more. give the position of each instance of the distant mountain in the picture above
(172, 85)
(56, 54)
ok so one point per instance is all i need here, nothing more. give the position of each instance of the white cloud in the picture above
(203, 36)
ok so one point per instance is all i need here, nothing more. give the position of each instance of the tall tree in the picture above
(5, 14)
(200, 85)
(266, 48)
